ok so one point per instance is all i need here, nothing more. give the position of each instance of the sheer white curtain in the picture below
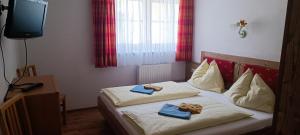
(146, 31)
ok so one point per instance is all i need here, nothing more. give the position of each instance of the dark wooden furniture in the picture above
(287, 116)
(42, 104)
(62, 102)
(14, 118)
(111, 119)
(30, 70)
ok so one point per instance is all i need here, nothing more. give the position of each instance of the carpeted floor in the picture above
(86, 122)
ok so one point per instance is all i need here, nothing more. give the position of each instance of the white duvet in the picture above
(121, 96)
(213, 114)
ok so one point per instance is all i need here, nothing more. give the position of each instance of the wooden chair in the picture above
(31, 71)
(14, 119)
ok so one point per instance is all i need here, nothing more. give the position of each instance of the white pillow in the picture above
(240, 87)
(252, 92)
(208, 77)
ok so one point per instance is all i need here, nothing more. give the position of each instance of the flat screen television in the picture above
(25, 18)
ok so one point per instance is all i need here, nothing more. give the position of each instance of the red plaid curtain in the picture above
(185, 31)
(104, 33)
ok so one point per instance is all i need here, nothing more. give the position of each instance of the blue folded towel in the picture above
(141, 89)
(173, 111)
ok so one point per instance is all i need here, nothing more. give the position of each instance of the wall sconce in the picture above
(242, 25)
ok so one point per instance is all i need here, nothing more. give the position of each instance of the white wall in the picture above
(66, 51)
(11, 49)
(215, 29)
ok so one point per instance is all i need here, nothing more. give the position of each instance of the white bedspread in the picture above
(213, 113)
(258, 120)
(121, 96)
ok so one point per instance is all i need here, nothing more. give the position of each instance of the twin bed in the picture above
(130, 115)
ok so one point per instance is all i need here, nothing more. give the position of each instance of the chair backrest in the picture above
(29, 70)
(14, 119)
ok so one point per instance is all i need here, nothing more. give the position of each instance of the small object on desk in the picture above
(193, 108)
(173, 111)
(155, 88)
(141, 89)
(27, 86)
(32, 87)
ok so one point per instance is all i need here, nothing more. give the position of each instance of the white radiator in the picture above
(154, 73)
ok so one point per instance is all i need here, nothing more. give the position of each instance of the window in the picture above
(161, 20)
(146, 31)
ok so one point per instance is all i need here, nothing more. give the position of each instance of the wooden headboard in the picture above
(241, 60)
(238, 60)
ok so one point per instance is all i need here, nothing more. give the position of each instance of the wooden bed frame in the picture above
(111, 120)
(239, 61)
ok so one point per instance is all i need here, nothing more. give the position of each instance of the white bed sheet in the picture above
(257, 121)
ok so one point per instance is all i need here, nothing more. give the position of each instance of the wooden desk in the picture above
(43, 105)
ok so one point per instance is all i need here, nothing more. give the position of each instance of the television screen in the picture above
(25, 18)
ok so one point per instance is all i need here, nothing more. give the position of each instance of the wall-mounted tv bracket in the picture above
(2, 8)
